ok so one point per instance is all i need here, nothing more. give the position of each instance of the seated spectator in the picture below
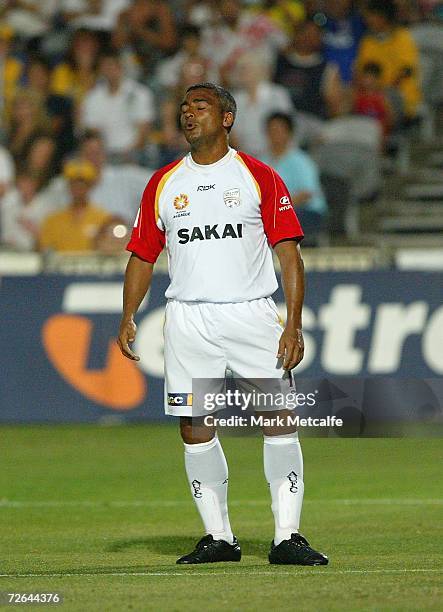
(121, 109)
(369, 97)
(147, 28)
(30, 19)
(200, 13)
(189, 58)
(237, 31)
(22, 212)
(58, 108)
(256, 99)
(343, 32)
(313, 83)
(298, 171)
(41, 158)
(117, 189)
(7, 171)
(392, 47)
(28, 119)
(76, 227)
(171, 141)
(10, 72)
(286, 14)
(78, 73)
(92, 14)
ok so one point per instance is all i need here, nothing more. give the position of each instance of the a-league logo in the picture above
(181, 201)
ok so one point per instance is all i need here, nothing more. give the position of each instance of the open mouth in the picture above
(190, 126)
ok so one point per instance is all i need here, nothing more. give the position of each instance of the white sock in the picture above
(283, 463)
(207, 473)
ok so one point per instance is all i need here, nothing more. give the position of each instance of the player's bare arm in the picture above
(291, 345)
(137, 282)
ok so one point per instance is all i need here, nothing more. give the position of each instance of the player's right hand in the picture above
(126, 336)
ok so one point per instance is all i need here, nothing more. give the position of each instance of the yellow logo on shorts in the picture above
(181, 201)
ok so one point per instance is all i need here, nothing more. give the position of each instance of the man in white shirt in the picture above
(7, 171)
(219, 213)
(257, 98)
(117, 188)
(121, 109)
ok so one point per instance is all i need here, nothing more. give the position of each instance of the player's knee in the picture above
(279, 423)
(194, 431)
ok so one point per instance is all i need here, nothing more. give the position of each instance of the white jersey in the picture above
(218, 222)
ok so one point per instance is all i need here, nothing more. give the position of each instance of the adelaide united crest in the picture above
(181, 201)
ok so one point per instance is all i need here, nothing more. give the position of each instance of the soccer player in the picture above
(220, 212)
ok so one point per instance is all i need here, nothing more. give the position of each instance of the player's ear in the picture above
(228, 120)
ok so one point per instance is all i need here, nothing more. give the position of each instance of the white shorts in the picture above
(205, 340)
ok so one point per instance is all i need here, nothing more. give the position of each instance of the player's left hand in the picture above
(291, 348)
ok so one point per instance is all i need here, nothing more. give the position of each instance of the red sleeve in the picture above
(279, 219)
(147, 239)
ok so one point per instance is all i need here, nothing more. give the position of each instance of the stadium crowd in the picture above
(90, 89)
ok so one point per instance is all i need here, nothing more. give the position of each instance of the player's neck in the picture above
(209, 153)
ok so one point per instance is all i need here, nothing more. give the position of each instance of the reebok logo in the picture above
(205, 187)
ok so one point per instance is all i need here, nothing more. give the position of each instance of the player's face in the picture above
(200, 116)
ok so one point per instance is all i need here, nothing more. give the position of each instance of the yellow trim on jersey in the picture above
(160, 186)
(257, 186)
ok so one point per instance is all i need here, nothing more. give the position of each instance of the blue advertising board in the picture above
(60, 362)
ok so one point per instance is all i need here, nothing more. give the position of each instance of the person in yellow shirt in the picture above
(78, 73)
(286, 14)
(11, 70)
(391, 47)
(75, 228)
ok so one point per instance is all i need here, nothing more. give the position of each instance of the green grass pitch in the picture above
(100, 514)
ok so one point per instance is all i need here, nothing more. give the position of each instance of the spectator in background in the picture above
(392, 47)
(312, 82)
(78, 73)
(200, 13)
(188, 58)
(286, 14)
(184, 69)
(22, 212)
(11, 70)
(369, 98)
(30, 19)
(59, 108)
(343, 32)
(28, 120)
(256, 99)
(116, 189)
(7, 171)
(237, 31)
(92, 14)
(122, 109)
(148, 29)
(41, 158)
(76, 227)
(298, 171)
